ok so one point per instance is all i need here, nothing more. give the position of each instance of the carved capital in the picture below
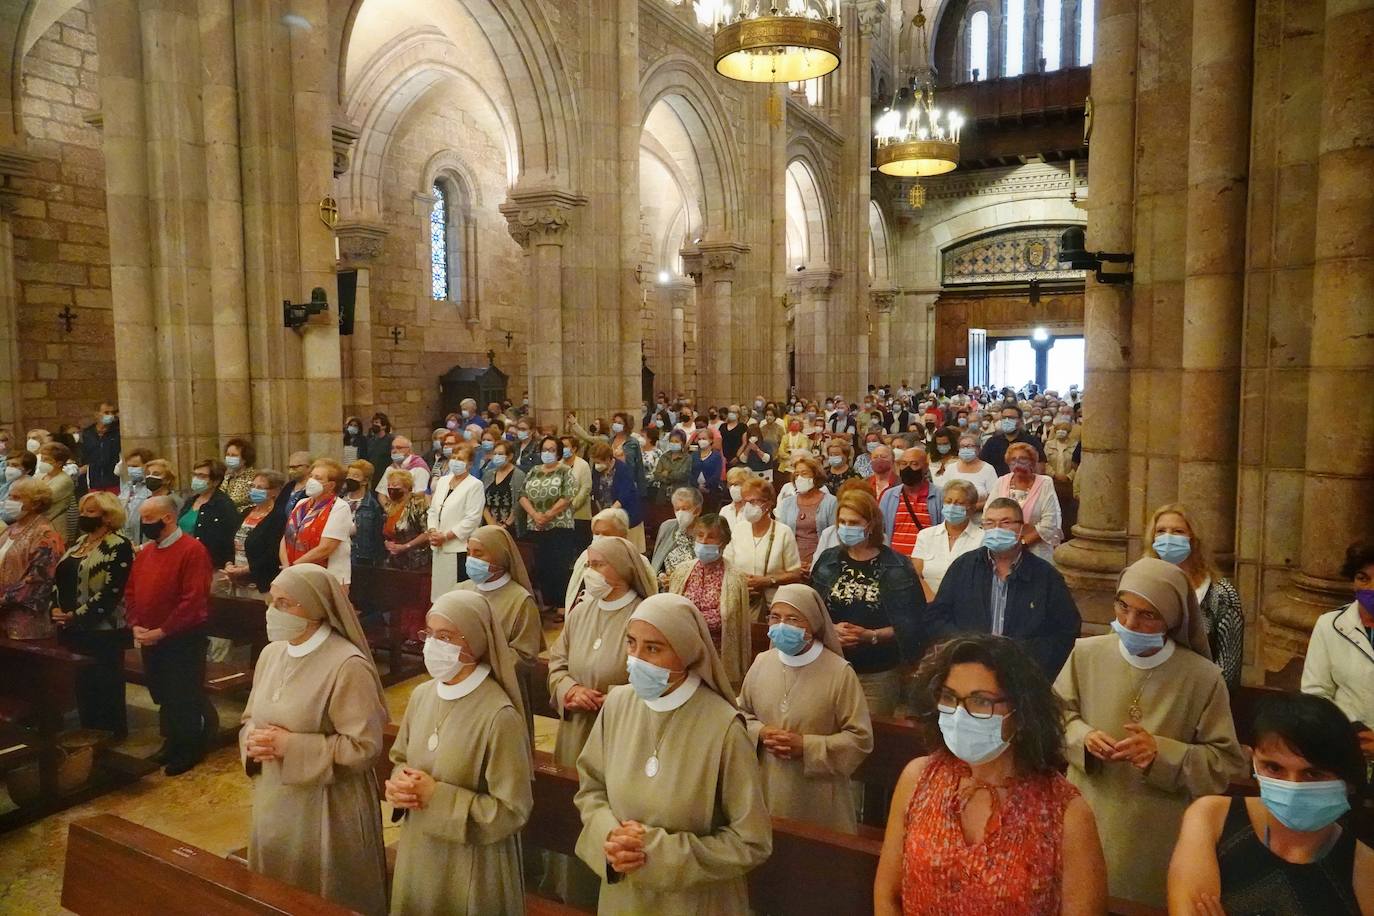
(344, 136)
(722, 257)
(691, 262)
(818, 283)
(540, 217)
(881, 300)
(360, 242)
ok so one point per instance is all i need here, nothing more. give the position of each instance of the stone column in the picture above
(14, 163)
(880, 359)
(912, 350)
(718, 324)
(679, 294)
(631, 323)
(819, 329)
(538, 221)
(1218, 164)
(778, 280)
(1097, 552)
(360, 246)
(1338, 486)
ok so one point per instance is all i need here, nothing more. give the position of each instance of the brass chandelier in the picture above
(773, 45)
(915, 138)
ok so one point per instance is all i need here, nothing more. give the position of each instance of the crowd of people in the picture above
(900, 550)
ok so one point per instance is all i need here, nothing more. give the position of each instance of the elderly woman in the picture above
(1285, 851)
(838, 463)
(588, 658)
(1173, 537)
(970, 467)
(132, 489)
(674, 468)
(496, 571)
(673, 546)
(794, 440)
(763, 549)
(256, 560)
(455, 512)
(504, 484)
(53, 459)
(158, 480)
(89, 610)
(720, 592)
(311, 732)
(1043, 527)
(320, 527)
(550, 488)
(973, 828)
(366, 510)
(462, 770)
(669, 786)
(613, 487)
(209, 514)
(1148, 724)
(807, 508)
(405, 523)
(1337, 663)
(240, 467)
(30, 549)
(942, 544)
(608, 523)
(734, 480)
(874, 598)
(807, 713)
(17, 464)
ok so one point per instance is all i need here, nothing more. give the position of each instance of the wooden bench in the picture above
(115, 868)
(242, 620)
(391, 600)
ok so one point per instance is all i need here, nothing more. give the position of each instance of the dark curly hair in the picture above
(1357, 556)
(1038, 742)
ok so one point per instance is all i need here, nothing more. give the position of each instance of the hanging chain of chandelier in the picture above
(915, 137)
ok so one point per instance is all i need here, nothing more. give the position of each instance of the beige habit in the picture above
(706, 824)
(460, 854)
(736, 615)
(316, 820)
(512, 600)
(590, 651)
(1183, 703)
(816, 694)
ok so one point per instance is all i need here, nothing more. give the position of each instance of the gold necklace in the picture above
(1134, 712)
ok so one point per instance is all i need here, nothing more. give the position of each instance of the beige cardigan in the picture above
(735, 616)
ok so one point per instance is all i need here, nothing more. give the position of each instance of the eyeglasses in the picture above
(426, 633)
(791, 620)
(1006, 524)
(978, 705)
(1122, 607)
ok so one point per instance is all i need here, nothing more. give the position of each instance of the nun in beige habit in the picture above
(806, 712)
(462, 770)
(673, 816)
(311, 732)
(588, 658)
(1147, 725)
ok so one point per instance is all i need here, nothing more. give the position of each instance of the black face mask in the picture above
(152, 531)
(912, 477)
(349, 485)
(153, 483)
(88, 523)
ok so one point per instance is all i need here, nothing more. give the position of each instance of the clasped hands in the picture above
(583, 698)
(143, 636)
(851, 635)
(624, 847)
(1138, 748)
(410, 788)
(264, 744)
(782, 743)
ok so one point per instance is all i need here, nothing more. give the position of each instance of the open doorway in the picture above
(1052, 363)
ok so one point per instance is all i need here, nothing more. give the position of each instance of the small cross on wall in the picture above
(397, 333)
(509, 338)
(67, 317)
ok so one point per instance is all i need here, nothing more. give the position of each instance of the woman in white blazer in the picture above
(1340, 655)
(455, 512)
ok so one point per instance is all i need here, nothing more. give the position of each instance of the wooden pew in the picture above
(115, 868)
(403, 596)
(243, 620)
(37, 687)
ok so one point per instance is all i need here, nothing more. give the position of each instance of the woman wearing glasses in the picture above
(1148, 724)
(762, 548)
(990, 802)
(807, 714)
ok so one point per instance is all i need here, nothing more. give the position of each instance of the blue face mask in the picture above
(198, 485)
(498, 461)
(447, 451)
(257, 496)
(548, 457)
(488, 445)
(852, 535)
(1173, 548)
(457, 467)
(567, 453)
(674, 446)
(136, 474)
(835, 460)
(942, 447)
(648, 680)
(522, 434)
(1305, 806)
(1008, 425)
(706, 553)
(11, 509)
(478, 571)
(872, 447)
(1138, 643)
(397, 457)
(968, 454)
(1000, 540)
(956, 513)
(788, 639)
(972, 740)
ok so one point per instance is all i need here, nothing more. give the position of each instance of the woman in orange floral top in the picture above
(986, 824)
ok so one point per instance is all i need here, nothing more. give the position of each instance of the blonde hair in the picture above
(1199, 563)
(757, 485)
(398, 478)
(111, 512)
(737, 475)
(168, 475)
(811, 464)
(1023, 447)
(36, 492)
(862, 502)
(335, 470)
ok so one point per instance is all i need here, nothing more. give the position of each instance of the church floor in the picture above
(208, 807)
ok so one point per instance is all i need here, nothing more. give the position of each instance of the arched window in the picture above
(978, 46)
(1014, 24)
(1049, 35)
(438, 243)
(1086, 25)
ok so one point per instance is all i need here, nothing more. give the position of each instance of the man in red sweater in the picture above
(167, 604)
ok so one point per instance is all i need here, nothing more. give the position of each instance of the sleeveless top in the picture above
(1256, 882)
(1015, 870)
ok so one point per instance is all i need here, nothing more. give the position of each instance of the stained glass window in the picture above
(438, 243)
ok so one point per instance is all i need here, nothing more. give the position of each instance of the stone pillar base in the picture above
(1091, 563)
(1289, 615)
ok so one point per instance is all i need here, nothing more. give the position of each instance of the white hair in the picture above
(614, 515)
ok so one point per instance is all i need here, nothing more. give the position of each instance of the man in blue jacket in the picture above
(1004, 589)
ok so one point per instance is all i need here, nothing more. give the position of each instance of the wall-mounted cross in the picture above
(397, 333)
(509, 337)
(67, 317)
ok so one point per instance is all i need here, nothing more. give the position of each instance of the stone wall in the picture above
(61, 243)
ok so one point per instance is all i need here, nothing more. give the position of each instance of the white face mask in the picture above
(595, 584)
(442, 659)
(684, 518)
(736, 493)
(284, 627)
(42, 469)
(752, 513)
(804, 484)
(32, 445)
(313, 488)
